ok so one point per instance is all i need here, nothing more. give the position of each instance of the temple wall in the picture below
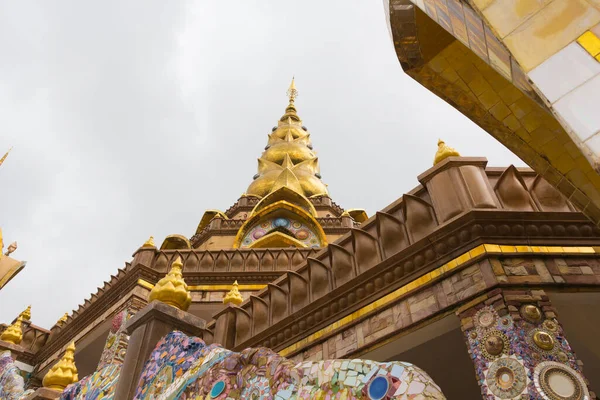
(394, 315)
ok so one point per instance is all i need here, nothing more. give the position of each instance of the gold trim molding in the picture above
(208, 288)
(484, 249)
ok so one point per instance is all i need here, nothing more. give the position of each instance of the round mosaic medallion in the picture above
(562, 357)
(473, 335)
(378, 388)
(506, 378)
(556, 381)
(542, 341)
(281, 222)
(485, 318)
(530, 313)
(217, 389)
(494, 344)
(550, 325)
(302, 234)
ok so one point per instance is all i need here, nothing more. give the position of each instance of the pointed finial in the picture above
(14, 333)
(62, 320)
(292, 93)
(149, 242)
(11, 248)
(172, 289)
(444, 152)
(233, 296)
(4, 156)
(64, 372)
(26, 314)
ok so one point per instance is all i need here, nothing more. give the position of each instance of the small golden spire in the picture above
(172, 289)
(233, 296)
(290, 111)
(26, 314)
(61, 321)
(149, 242)
(292, 92)
(64, 372)
(14, 333)
(444, 152)
(4, 156)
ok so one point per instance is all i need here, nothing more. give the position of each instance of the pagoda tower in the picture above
(286, 205)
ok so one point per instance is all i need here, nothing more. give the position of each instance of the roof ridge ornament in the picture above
(444, 152)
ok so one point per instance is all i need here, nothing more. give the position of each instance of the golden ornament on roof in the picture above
(288, 160)
(64, 372)
(233, 296)
(26, 314)
(14, 333)
(149, 242)
(444, 152)
(61, 321)
(172, 289)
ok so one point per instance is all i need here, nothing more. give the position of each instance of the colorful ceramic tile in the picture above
(212, 372)
(12, 385)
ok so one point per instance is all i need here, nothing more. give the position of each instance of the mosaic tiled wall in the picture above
(102, 383)
(12, 385)
(182, 367)
(519, 349)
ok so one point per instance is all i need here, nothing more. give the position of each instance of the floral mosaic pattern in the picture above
(508, 353)
(293, 228)
(102, 383)
(12, 385)
(183, 368)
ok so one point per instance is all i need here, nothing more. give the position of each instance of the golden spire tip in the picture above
(292, 93)
(233, 296)
(172, 289)
(149, 242)
(444, 152)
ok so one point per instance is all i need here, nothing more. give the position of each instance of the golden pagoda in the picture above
(233, 296)
(149, 242)
(64, 372)
(26, 314)
(14, 333)
(444, 151)
(172, 289)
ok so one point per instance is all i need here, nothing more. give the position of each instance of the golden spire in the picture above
(26, 314)
(292, 92)
(64, 372)
(61, 321)
(4, 156)
(172, 289)
(288, 159)
(14, 333)
(234, 296)
(444, 152)
(149, 242)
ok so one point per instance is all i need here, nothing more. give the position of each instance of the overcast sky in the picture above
(129, 119)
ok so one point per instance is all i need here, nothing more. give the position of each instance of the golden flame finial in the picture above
(64, 372)
(172, 289)
(4, 156)
(149, 242)
(62, 320)
(233, 296)
(292, 92)
(444, 152)
(14, 333)
(26, 314)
